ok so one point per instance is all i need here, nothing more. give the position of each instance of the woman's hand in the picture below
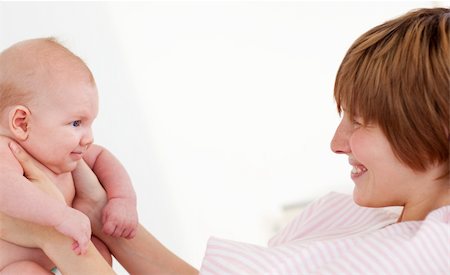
(75, 224)
(54, 244)
(33, 173)
(18, 231)
(90, 197)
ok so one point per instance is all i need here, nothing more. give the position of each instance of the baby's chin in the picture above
(63, 169)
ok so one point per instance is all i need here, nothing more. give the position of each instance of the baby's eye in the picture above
(76, 123)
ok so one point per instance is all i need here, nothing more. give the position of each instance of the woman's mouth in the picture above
(358, 170)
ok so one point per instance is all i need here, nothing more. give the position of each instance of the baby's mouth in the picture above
(77, 155)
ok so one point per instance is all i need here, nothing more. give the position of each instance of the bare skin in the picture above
(143, 254)
(48, 107)
(54, 244)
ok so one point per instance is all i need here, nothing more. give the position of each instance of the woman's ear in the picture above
(19, 117)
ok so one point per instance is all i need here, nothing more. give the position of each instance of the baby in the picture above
(48, 102)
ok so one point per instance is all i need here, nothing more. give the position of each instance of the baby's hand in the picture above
(120, 218)
(76, 225)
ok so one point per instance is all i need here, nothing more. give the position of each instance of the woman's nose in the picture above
(340, 142)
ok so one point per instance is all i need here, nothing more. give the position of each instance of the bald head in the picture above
(32, 67)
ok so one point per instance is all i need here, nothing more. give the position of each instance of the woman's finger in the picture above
(33, 173)
(28, 163)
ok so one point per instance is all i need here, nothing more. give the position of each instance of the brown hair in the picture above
(21, 63)
(397, 76)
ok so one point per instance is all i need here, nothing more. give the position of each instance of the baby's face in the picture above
(60, 123)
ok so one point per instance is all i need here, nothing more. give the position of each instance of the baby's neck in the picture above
(53, 176)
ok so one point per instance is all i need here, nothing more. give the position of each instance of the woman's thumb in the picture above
(24, 158)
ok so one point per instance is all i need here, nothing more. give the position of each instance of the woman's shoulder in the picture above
(441, 215)
(332, 216)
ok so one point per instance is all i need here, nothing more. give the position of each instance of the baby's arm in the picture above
(21, 199)
(120, 217)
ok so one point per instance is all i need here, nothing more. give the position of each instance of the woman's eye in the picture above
(356, 123)
(76, 123)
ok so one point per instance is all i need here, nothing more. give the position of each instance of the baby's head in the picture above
(48, 101)
(397, 76)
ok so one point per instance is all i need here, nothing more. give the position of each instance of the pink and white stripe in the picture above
(335, 236)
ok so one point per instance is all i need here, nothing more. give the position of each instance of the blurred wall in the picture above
(222, 112)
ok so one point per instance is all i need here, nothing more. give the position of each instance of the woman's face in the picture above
(380, 178)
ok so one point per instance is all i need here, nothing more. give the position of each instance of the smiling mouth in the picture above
(358, 170)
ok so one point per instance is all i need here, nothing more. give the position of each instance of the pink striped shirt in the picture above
(333, 235)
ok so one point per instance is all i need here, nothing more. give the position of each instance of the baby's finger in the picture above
(126, 232)
(76, 248)
(83, 244)
(108, 228)
(117, 232)
(123, 233)
(105, 216)
(131, 234)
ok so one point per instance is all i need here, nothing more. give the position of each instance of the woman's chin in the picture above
(359, 199)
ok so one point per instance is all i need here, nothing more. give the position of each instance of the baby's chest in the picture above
(65, 184)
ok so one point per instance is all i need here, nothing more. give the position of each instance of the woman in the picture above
(393, 89)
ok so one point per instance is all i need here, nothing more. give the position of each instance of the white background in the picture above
(222, 112)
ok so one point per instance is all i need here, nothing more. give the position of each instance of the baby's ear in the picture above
(19, 117)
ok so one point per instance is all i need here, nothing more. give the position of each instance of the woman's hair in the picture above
(397, 76)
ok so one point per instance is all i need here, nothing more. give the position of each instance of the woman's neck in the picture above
(435, 196)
